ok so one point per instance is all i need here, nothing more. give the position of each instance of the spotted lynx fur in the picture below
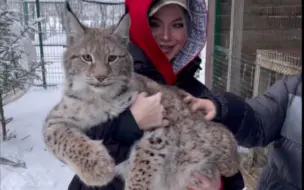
(99, 85)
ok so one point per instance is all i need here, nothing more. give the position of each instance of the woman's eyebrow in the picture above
(178, 19)
(158, 19)
(154, 18)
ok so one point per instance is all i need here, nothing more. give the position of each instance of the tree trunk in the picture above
(2, 118)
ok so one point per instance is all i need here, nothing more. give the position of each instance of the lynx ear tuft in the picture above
(123, 27)
(74, 29)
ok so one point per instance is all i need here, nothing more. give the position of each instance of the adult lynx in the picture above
(100, 84)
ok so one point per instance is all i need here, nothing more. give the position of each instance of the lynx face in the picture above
(97, 58)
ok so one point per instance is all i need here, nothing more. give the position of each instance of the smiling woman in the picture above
(168, 26)
(170, 45)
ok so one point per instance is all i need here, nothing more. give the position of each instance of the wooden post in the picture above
(256, 80)
(210, 43)
(235, 46)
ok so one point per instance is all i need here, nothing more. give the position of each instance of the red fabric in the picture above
(141, 36)
(222, 185)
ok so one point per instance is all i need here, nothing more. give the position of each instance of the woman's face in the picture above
(169, 29)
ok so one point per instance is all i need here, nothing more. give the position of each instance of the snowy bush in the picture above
(14, 75)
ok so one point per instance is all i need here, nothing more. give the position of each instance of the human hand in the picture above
(148, 111)
(205, 105)
(204, 183)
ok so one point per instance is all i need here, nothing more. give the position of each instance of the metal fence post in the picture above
(41, 45)
(235, 46)
(25, 12)
(210, 43)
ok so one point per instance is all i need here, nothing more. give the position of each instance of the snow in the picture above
(44, 171)
(202, 72)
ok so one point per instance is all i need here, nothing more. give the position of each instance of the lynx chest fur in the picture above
(84, 110)
(100, 84)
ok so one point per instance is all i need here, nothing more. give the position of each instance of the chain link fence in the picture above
(256, 43)
(50, 40)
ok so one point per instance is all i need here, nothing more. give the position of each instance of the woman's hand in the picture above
(148, 111)
(205, 105)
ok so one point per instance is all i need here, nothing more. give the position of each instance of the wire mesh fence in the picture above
(256, 43)
(50, 40)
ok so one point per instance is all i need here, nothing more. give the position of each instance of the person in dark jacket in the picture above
(274, 117)
(165, 48)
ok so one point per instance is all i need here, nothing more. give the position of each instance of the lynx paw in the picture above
(96, 167)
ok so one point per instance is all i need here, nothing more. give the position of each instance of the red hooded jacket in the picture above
(141, 35)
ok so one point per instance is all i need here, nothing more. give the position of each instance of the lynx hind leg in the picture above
(229, 166)
(146, 160)
(87, 158)
(218, 145)
(225, 149)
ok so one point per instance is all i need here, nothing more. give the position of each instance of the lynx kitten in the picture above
(99, 85)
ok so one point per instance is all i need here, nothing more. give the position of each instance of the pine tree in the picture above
(14, 74)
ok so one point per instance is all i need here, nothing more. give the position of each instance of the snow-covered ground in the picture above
(44, 171)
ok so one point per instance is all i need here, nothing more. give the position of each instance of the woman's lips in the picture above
(166, 48)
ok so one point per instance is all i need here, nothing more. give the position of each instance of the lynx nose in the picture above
(101, 78)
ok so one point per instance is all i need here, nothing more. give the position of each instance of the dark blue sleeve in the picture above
(259, 120)
(123, 129)
(239, 117)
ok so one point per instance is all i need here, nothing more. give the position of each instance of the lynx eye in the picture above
(87, 58)
(112, 58)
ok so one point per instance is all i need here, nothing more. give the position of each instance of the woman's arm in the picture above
(123, 129)
(257, 121)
